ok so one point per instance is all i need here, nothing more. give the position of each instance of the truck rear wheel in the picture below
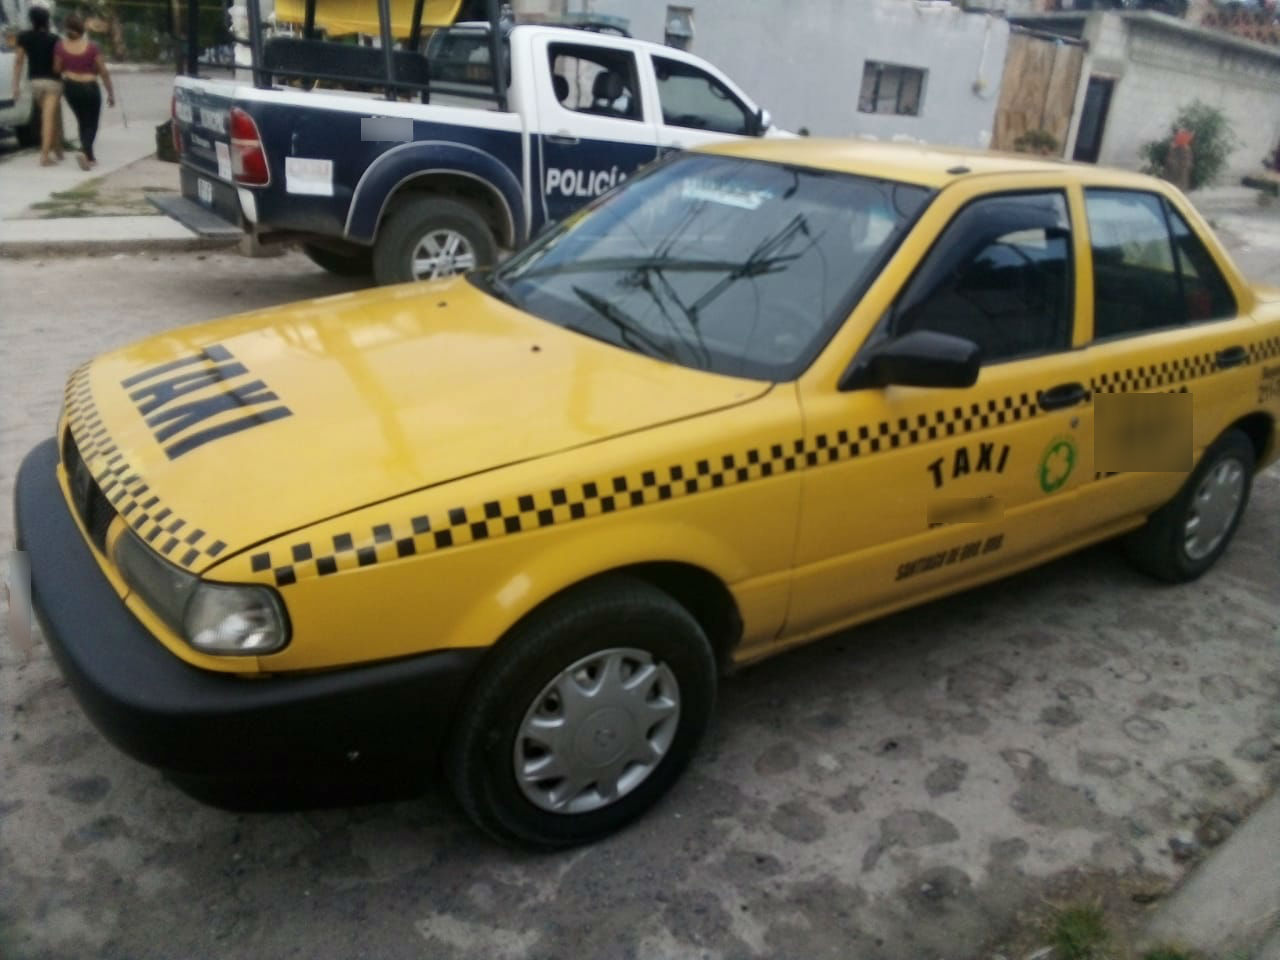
(428, 237)
(28, 134)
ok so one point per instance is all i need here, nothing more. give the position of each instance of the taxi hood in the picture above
(249, 427)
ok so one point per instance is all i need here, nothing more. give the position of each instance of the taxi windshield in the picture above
(736, 266)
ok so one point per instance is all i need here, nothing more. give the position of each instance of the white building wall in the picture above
(803, 59)
(1160, 64)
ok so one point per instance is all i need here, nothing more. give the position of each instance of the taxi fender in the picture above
(568, 562)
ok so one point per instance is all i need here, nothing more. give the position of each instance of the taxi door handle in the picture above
(1232, 357)
(1063, 395)
(562, 139)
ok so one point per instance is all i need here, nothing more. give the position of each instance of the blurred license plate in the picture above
(205, 190)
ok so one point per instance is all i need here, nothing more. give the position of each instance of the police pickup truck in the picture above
(428, 188)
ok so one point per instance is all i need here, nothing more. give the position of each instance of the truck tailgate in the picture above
(201, 114)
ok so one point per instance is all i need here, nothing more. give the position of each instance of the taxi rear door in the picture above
(919, 490)
(1165, 318)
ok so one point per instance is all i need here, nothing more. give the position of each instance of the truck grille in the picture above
(95, 512)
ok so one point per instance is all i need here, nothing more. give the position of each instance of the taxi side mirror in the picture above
(922, 358)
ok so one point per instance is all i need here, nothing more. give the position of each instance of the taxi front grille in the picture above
(91, 505)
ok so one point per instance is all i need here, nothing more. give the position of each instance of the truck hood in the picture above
(249, 427)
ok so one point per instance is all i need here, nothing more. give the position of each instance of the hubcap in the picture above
(1214, 508)
(596, 731)
(442, 253)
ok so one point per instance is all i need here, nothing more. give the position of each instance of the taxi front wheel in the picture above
(1185, 537)
(585, 715)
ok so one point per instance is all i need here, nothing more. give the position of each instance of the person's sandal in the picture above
(83, 161)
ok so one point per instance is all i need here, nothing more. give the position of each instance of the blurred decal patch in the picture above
(1269, 384)
(1147, 432)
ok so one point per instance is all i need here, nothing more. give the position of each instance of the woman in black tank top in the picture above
(35, 49)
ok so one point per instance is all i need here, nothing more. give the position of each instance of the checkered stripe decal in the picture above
(423, 533)
(1264, 350)
(1156, 375)
(173, 536)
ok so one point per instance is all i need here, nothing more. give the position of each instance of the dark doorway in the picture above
(1093, 119)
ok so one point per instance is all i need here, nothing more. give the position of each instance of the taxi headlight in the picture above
(216, 618)
(226, 619)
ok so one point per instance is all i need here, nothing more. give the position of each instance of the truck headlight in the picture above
(216, 618)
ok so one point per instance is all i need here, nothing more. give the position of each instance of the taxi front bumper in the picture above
(198, 725)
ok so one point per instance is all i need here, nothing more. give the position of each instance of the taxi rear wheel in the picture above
(585, 716)
(1185, 537)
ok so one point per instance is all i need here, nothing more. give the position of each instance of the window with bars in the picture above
(891, 88)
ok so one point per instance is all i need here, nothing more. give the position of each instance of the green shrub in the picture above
(1210, 148)
(1037, 141)
(1080, 933)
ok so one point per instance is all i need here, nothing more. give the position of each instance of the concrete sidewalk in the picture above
(127, 134)
(1231, 903)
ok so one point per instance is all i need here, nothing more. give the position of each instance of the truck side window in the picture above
(693, 98)
(595, 80)
(1000, 275)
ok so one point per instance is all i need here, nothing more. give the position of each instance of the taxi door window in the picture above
(1001, 276)
(693, 98)
(1150, 271)
(595, 81)
(1207, 294)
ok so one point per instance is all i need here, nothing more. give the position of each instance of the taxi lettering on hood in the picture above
(181, 425)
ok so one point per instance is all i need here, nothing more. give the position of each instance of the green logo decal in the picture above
(1057, 463)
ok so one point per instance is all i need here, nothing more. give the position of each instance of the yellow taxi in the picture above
(513, 526)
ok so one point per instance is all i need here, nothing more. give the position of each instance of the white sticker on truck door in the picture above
(224, 160)
(308, 175)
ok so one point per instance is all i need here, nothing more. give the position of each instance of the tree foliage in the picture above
(1211, 145)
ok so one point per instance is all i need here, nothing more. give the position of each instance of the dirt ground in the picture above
(906, 790)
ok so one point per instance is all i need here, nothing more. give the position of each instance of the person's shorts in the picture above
(45, 86)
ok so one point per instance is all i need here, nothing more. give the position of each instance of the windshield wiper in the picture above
(750, 267)
(631, 333)
(631, 263)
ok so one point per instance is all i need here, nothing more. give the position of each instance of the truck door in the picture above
(594, 126)
(697, 106)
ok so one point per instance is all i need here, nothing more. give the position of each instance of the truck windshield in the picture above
(736, 266)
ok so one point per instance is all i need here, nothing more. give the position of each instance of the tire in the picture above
(610, 614)
(1162, 547)
(28, 134)
(415, 221)
(358, 263)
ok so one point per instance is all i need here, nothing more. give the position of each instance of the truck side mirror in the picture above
(762, 121)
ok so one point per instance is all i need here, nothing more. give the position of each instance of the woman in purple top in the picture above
(80, 62)
(35, 50)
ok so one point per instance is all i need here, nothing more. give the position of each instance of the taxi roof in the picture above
(924, 165)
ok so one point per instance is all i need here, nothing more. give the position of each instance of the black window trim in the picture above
(556, 47)
(1167, 210)
(883, 330)
(747, 113)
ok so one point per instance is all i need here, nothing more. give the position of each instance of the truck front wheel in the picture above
(428, 237)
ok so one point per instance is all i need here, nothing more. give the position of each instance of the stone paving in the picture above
(898, 791)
